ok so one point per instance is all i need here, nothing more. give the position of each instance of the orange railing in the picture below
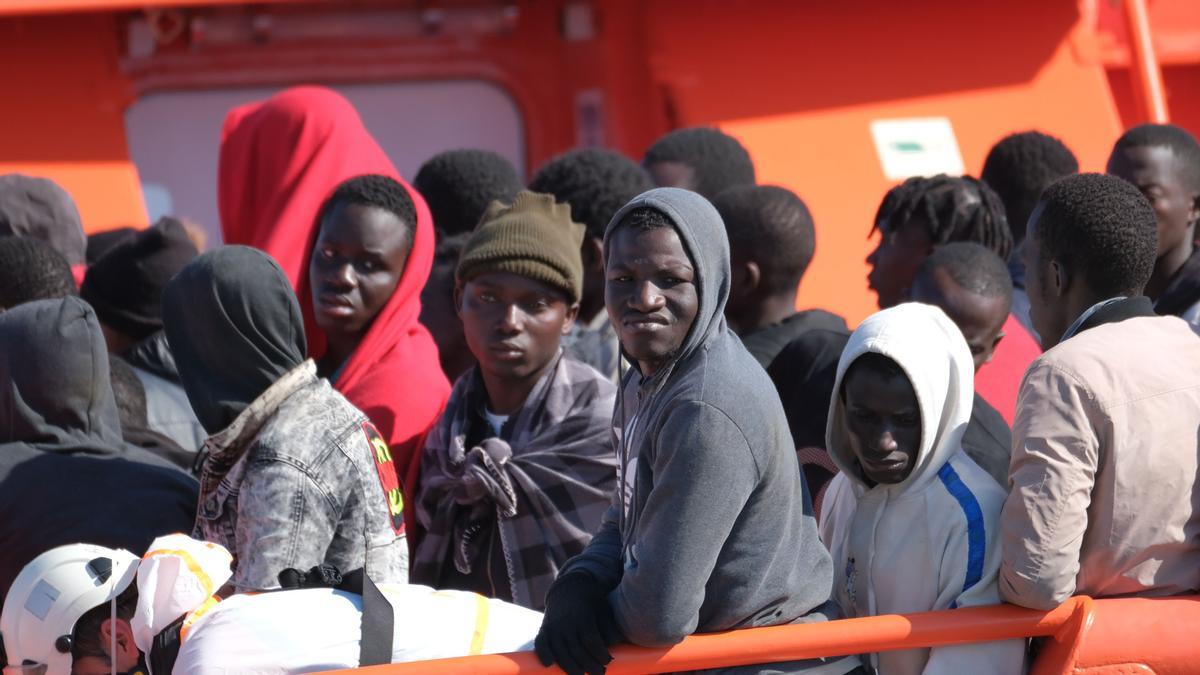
(1147, 75)
(1100, 637)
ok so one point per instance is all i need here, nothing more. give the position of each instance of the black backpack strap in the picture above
(165, 648)
(378, 621)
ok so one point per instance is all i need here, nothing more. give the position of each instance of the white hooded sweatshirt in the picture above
(930, 542)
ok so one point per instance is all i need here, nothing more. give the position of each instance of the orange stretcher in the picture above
(1141, 636)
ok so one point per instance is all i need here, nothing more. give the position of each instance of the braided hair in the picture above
(952, 209)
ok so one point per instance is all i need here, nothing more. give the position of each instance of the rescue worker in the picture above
(77, 609)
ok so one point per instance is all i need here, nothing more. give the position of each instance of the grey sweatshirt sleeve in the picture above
(602, 556)
(703, 475)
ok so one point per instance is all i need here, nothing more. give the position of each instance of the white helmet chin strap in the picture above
(112, 633)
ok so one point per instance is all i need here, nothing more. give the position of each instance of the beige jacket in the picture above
(1104, 499)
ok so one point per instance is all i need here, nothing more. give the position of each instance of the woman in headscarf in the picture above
(281, 161)
(295, 476)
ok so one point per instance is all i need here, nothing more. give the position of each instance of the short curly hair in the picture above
(1102, 228)
(719, 161)
(31, 269)
(382, 192)
(459, 185)
(773, 227)
(1178, 140)
(596, 183)
(129, 392)
(953, 209)
(971, 266)
(1019, 167)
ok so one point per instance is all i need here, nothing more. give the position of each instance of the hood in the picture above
(932, 352)
(279, 159)
(703, 234)
(55, 392)
(39, 208)
(1183, 291)
(176, 575)
(396, 334)
(234, 326)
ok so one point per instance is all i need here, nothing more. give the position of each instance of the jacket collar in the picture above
(1111, 311)
(153, 354)
(230, 442)
(1184, 289)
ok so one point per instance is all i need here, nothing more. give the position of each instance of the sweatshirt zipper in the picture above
(872, 606)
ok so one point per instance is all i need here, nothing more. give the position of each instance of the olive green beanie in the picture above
(533, 237)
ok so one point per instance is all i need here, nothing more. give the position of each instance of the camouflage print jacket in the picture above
(301, 478)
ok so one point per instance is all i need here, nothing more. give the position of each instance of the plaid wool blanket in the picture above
(542, 491)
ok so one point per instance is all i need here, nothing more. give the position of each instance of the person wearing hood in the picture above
(911, 521)
(295, 476)
(519, 470)
(284, 185)
(1104, 499)
(918, 216)
(125, 288)
(373, 253)
(711, 527)
(596, 183)
(40, 208)
(65, 474)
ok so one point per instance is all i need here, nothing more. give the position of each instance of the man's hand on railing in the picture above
(578, 626)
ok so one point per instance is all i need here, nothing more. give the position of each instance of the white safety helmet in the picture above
(48, 598)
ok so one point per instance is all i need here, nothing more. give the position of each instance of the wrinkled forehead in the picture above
(633, 242)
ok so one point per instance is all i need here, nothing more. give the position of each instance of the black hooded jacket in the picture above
(234, 326)
(295, 475)
(1182, 296)
(765, 344)
(65, 474)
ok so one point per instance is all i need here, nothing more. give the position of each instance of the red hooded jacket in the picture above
(280, 159)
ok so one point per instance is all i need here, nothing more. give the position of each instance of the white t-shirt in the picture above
(311, 630)
(631, 463)
(497, 422)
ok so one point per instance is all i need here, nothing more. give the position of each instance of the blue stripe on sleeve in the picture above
(976, 532)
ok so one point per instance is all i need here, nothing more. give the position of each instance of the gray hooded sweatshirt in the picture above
(720, 532)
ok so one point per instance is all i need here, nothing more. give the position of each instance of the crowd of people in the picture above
(388, 421)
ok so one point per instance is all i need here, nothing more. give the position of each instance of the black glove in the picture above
(578, 626)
